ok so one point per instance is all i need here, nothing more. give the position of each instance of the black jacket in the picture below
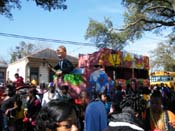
(67, 67)
(123, 122)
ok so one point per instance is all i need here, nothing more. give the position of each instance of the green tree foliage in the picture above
(148, 15)
(7, 5)
(155, 16)
(23, 49)
(104, 35)
(140, 16)
(163, 57)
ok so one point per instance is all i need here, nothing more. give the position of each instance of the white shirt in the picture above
(48, 96)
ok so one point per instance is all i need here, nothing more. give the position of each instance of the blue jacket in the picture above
(95, 116)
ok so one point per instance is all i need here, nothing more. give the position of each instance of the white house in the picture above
(35, 67)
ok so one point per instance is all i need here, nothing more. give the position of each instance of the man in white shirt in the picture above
(51, 94)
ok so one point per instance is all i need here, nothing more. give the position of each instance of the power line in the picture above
(54, 40)
(45, 39)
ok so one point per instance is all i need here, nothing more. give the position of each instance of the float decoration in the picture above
(98, 80)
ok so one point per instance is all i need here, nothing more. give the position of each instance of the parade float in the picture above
(120, 67)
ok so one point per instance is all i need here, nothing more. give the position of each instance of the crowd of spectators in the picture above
(105, 109)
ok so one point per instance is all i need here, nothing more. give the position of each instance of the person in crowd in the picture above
(171, 100)
(132, 87)
(144, 90)
(166, 96)
(32, 109)
(83, 102)
(106, 100)
(57, 115)
(130, 119)
(114, 109)
(124, 121)
(64, 66)
(172, 124)
(158, 118)
(118, 94)
(17, 113)
(111, 86)
(51, 94)
(1, 120)
(7, 103)
(95, 113)
(19, 81)
(64, 95)
(33, 82)
(138, 104)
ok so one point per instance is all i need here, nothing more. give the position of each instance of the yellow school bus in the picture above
(165, 77)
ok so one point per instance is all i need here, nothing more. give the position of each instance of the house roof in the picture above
(3, 64)
(50, 54)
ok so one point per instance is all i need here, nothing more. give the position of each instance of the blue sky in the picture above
(68, 25)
